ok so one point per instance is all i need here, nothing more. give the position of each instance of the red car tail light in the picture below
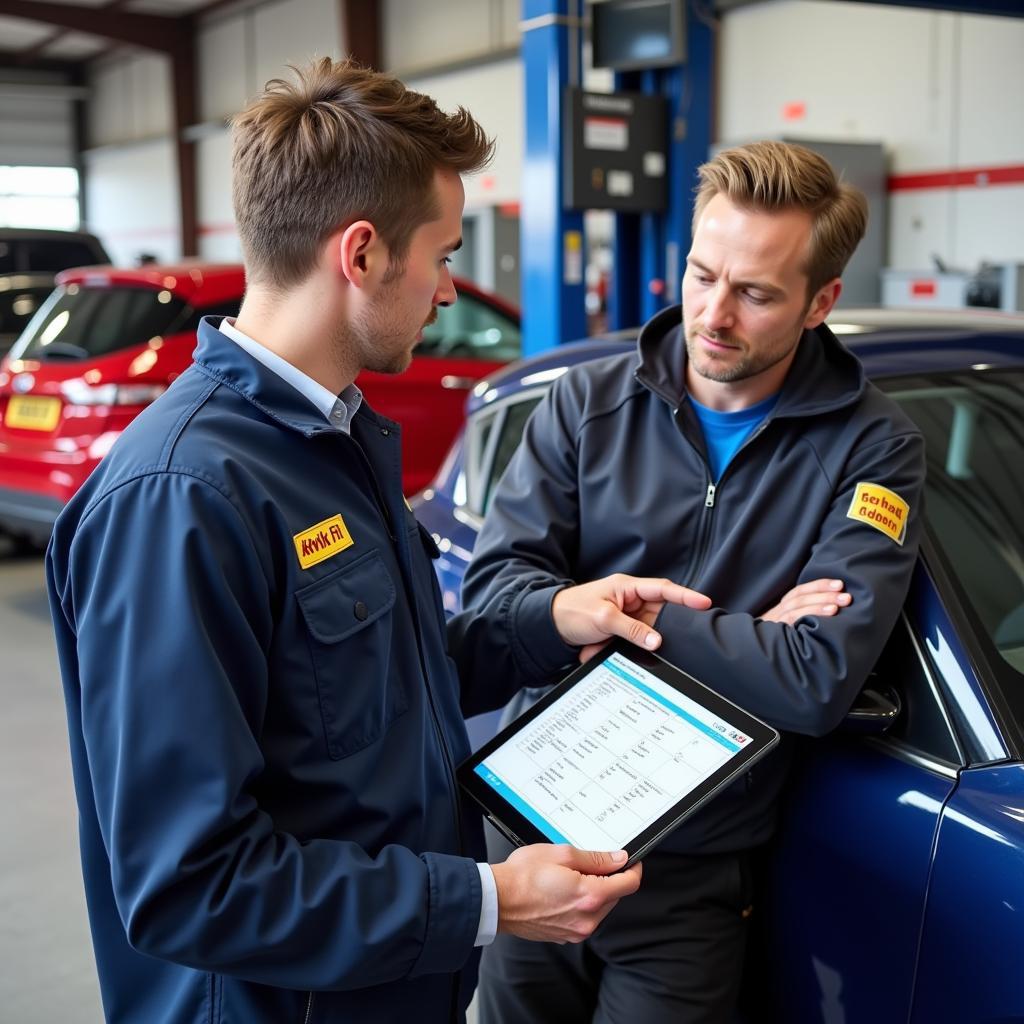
(78, 392)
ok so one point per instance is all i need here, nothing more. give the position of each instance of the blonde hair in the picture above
(767, 176)
(337, 144)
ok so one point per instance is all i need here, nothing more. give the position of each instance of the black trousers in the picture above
(672, 953)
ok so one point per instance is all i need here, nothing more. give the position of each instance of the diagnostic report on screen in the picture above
(616, 752)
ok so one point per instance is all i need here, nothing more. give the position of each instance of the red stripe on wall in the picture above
(972, 177)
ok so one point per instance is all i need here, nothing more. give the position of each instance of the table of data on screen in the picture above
(605, 762)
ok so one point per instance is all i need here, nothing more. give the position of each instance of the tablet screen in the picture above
(612, 755)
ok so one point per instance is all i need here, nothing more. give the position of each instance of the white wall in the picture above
(494, 95)
(131, 184)
(37, 118)
(130, 123)
(241, 48)
(133, 200)
(421, 35)
(218, 239)
(940, 91)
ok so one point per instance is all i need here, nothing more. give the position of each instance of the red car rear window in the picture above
(79, 322)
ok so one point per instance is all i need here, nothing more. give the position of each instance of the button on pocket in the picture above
(348, 617)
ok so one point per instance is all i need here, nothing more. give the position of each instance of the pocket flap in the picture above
(344, 602)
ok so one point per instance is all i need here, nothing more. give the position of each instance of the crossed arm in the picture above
(590, 614)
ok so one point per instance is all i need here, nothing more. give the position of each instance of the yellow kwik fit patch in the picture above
(322, 541)
(881, 508)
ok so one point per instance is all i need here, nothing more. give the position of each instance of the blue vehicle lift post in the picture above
(553, 251)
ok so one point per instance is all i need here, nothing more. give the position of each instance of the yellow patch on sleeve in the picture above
(881, 508)
(322, 541)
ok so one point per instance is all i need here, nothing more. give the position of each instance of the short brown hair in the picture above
(340, 143)
(768, 176)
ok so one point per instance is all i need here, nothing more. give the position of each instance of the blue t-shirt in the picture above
(725, 432)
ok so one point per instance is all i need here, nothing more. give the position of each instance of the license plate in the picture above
(31, 413)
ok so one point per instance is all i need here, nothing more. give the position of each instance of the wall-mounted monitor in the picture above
(629, 35)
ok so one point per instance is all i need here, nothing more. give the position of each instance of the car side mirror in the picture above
(873, 712)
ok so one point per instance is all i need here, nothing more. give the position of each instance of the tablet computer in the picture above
(615, 756)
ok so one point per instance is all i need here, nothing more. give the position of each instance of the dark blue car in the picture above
(895, 892)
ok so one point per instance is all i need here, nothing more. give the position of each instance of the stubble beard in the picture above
(743, 365)
(381, 343)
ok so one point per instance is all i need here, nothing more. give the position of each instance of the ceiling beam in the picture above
(29, 54)
(152, 31)
(361, 22)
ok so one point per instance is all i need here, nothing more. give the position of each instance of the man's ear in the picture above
(821, 305)
(359, 254)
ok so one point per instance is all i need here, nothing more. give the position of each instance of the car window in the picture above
(922, 724)
(509, 436)
(470, 329)
(17, 305)
(478, 448)
(57, 254)
(973, 424)
(80, 322)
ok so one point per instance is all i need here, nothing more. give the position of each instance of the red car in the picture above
(109, 341)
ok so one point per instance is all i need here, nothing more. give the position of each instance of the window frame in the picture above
(990, 670)
(479, 462)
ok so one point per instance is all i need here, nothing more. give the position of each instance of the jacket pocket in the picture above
(349, 623)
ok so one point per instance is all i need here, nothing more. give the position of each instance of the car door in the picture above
(469, 340)
(846, 886)
(970, 958)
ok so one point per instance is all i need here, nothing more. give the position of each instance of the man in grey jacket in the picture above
(743, 454)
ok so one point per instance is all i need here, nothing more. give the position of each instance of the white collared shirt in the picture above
(338, 410)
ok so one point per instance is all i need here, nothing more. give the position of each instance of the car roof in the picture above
(196, 282)
(890, 343)
(26, 279)
(47, 233)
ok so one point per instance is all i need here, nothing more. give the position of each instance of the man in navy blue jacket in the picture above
(264, 718)
(740, 451)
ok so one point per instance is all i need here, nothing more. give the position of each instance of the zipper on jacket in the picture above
(701, 548)
(309, 1010)
(709, 500)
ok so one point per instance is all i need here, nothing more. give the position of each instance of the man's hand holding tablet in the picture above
(558, 893)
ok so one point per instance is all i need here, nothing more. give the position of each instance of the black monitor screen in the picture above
(630, 34)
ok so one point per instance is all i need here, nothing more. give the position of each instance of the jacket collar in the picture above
(220, 358)
(824, 376)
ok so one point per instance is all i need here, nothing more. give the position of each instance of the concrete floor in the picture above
(47, 974)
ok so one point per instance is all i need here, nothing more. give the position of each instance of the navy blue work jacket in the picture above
(263, 717)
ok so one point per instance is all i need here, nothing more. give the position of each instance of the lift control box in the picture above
(615, 151)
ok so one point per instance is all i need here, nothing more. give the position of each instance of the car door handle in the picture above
(454, 383)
